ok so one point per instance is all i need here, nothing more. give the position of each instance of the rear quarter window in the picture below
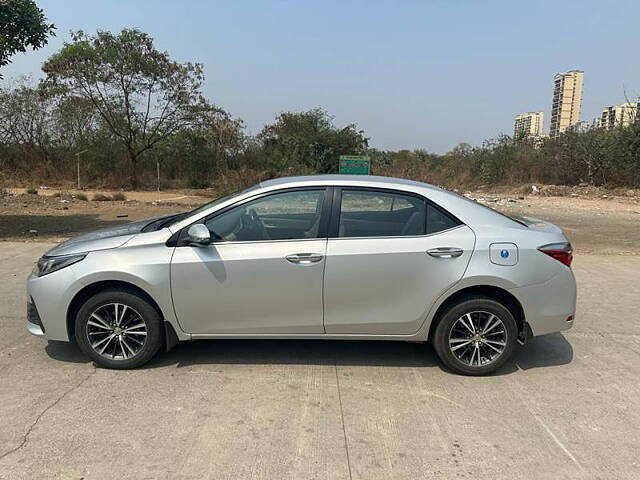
(438, 220)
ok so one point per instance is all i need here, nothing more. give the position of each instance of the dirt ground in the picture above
(609, 225)
(595, 222)
(53, 215)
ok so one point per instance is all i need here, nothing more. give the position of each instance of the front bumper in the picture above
(49, 296)
(34, 324)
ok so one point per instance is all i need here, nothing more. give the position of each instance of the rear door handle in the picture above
(445, 252)
(304, 258)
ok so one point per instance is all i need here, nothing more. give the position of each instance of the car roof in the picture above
(466, 210)
(371, 180)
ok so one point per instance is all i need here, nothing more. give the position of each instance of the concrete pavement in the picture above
(567, 407)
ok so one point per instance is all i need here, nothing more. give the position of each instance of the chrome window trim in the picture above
(393, 237)
(244, 242)
(388, 237)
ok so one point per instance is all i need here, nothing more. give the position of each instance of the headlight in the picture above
(51, 264)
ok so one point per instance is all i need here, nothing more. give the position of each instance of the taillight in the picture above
(560, 251)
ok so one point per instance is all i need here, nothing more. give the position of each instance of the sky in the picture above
(412, 74)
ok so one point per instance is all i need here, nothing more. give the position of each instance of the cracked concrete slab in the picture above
(567, 406)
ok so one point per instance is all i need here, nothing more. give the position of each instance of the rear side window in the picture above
(366, 213)
(438, 220)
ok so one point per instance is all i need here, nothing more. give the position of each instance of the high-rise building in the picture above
(567, 98)
(621, 115)
(528, 125)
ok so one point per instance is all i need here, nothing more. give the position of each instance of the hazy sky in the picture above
(412, 74)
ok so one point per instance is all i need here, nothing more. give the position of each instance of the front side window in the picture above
(293, 215)
(366, 213)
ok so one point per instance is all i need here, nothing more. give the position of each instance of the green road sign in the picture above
(355, 164)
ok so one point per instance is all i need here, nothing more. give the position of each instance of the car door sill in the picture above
(416, 337)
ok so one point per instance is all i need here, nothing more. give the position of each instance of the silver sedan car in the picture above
(331, 257)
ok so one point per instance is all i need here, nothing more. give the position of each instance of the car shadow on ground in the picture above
(540, 352)
(65, 352)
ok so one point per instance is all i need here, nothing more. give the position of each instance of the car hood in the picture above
(102, 239)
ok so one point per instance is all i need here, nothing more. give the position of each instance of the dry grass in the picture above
(119, 197)
(100, 197)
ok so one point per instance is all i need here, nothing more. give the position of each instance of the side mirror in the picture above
(198, 235)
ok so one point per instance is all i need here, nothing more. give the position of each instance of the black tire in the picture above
(449, 320)
(138, 308)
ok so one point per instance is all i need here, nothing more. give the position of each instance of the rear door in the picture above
(390, 255)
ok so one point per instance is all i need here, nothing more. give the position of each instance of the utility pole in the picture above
(158, 172)
(78, 165)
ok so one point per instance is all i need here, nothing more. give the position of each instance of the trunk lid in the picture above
(537, 224)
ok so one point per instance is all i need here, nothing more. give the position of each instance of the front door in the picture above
(262, 273)
(380, 278)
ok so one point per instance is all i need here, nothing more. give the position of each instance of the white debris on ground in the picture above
(517, 198)
(493, 201)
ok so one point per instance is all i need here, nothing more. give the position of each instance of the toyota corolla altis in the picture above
(319, 257)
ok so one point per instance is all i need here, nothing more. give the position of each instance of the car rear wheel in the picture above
(476, 336)
(118, 329)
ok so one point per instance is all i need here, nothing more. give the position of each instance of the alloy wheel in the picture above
(116, 331)
(478, 338)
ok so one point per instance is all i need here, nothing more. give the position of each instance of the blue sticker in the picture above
(504, 253)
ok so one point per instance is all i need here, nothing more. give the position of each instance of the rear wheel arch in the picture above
(90, 290)
(498, 294)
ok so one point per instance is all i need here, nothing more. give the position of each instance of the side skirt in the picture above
(306, 336)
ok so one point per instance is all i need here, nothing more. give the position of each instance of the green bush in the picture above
(32, 191)
(81, 196)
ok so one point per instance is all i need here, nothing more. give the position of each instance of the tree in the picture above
(25, 121)
(209, 146)
(22, 25)
(142, 95)
(75, 121)
(309, 139)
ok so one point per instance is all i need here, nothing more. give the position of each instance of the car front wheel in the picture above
(118, 329)
(476, 336)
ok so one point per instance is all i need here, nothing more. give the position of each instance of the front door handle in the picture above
(445, 252)
(304, 258)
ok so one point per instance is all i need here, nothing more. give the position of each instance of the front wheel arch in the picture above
(90, 290)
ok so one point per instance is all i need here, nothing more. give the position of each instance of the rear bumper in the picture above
(551, 306)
